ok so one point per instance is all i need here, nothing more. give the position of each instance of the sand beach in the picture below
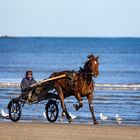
(117, 89)
(56, 131)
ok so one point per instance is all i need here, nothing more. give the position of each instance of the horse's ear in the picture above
(97, 57)
(81, 68)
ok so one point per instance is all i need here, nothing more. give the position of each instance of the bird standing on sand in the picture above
(118, 119)
(44, 114)
(103, 117)
(72, 116)
(5, 115)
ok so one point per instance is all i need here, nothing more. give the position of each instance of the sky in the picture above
(66, 18)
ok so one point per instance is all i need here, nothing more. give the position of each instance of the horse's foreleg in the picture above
(80, 100)
(90, 98)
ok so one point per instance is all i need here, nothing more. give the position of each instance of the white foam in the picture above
(117, 86)
(9, 85)
(97, 86)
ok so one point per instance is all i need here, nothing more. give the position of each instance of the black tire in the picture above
(52, 111)
(14, 110)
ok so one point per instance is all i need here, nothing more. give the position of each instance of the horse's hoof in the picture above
(76, 107)
(70, 120)
(96, 123)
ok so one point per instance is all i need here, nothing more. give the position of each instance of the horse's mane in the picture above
(81, 70)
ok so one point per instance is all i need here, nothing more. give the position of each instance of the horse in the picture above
(80, 84)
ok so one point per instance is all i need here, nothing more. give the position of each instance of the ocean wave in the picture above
(117, 86)
(97, 86)
(9, 85)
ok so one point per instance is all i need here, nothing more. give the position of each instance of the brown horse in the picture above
(79, 85)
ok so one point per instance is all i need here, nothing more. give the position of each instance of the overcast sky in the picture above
(92, 18)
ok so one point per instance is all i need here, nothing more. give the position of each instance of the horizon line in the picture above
(12, 36)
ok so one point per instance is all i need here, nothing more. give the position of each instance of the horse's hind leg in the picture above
(90, 98)
(61, 96)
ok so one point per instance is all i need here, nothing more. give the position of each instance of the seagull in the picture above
(63, 115)
(103, 117)
(73, 116)
(44, 114)
(118, 119)
(5, 115)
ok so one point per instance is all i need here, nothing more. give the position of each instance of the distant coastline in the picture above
(6, 36)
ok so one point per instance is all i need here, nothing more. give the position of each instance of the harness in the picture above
(72, 78)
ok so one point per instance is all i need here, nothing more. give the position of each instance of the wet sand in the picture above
(47, 131)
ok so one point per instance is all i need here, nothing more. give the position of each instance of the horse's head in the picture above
(91, 66)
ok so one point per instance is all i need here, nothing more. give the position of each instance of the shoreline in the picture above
(53, 131)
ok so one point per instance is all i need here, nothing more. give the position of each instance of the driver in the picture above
(26, 82)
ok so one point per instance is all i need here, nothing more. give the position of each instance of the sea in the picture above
(117, 88)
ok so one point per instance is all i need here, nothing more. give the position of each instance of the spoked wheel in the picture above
(52, 111)
(14, 110)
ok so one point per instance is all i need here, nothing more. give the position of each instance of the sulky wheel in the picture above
(52, 111)
(14, 110)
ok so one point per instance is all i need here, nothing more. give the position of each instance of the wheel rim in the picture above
(52, 111)
(15, 111)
